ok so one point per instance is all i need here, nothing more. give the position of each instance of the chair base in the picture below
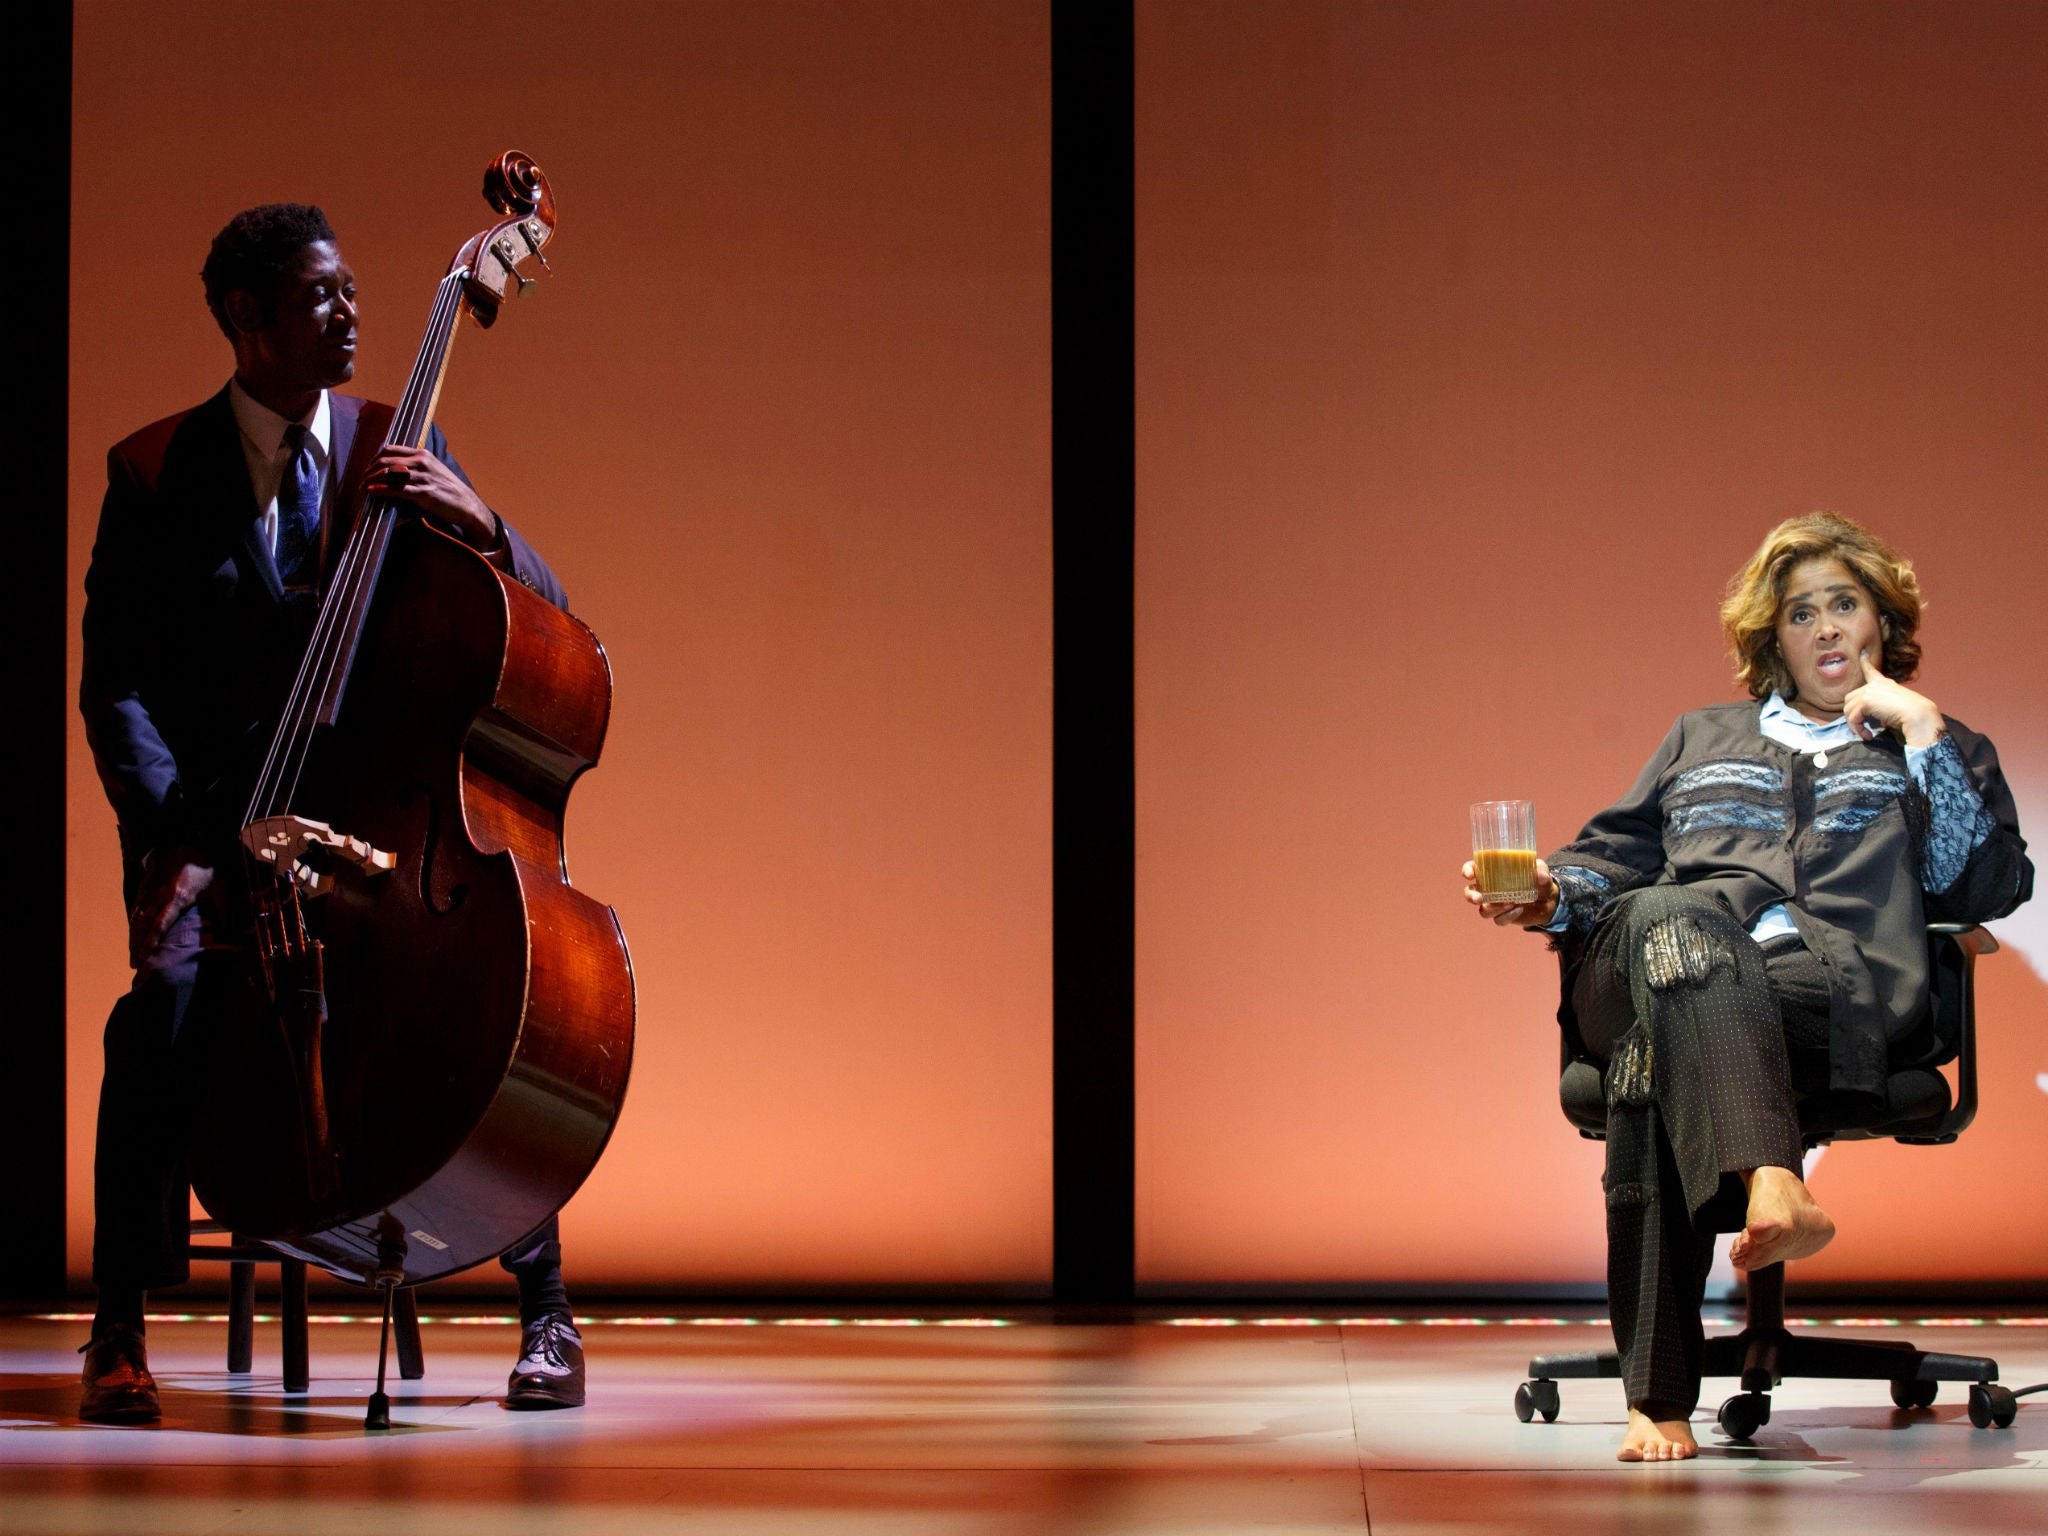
(1765, 1352)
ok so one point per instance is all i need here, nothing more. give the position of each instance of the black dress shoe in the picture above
(550, 1369)
(118, 1388)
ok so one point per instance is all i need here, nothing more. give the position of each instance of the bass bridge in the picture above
(309, 852)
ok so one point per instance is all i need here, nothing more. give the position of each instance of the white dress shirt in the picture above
(263, 449)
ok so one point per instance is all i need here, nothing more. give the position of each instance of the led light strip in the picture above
(1586, 1322)
(508, 1320)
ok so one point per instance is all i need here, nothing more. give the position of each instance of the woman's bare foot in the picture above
(1784, 1223)
(1657, 1440)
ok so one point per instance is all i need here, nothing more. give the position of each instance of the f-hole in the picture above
(429, 845)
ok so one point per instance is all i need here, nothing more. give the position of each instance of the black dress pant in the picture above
(141, 1200)
(1703, 1034)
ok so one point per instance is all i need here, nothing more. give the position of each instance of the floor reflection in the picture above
(1096, 1427)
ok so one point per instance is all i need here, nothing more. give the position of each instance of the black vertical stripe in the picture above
(38, 52)
(1093, 475)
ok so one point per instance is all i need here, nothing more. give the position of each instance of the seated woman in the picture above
(1749, 926)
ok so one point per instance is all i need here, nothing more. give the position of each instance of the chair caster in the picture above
(1534, 1397)
(1744, 1414)
(1914, 1394)
(1992, 1404)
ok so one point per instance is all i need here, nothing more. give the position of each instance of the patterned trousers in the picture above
(1699, 1029)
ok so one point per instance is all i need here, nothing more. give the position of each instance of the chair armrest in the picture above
(1976, 940)
(1972, 941)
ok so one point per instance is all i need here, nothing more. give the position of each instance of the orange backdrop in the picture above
(780, 423)
(1478, 344)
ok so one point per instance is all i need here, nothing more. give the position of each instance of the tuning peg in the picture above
(508, 258)
(527, 229)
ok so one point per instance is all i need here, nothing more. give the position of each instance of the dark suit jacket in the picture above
(190, 639)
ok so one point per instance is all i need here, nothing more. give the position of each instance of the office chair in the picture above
(1919, 1110)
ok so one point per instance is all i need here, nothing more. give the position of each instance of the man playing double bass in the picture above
(216, 533)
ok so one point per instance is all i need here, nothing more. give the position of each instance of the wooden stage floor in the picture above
(784, 1427)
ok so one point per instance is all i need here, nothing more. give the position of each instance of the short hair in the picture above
(1749, 613)
(253, 253)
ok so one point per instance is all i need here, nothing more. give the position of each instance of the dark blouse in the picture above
(1850, 847)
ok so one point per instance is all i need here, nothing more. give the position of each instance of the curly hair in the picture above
(253, 253)
(1749, 613)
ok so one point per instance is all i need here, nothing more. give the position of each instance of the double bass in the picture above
(431, 1029)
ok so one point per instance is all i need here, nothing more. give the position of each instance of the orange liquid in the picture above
(1505, 872)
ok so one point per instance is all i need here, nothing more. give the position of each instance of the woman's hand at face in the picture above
(1507, 915)
(1880, 704)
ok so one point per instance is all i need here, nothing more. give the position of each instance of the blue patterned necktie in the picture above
(298, 512)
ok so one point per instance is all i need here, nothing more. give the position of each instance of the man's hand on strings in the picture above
(414, 476)
(172, 880)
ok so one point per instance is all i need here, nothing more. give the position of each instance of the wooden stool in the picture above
(242, 1255)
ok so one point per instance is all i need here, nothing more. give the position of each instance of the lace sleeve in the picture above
(1956, 823)
(1581, 893)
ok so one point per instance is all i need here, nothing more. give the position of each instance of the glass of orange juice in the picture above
(1504, 850)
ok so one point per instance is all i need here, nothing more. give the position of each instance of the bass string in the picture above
(348, 595)
(338, 621)
(314, 665)
(311, 664)
(409, 427)
(417, 403)
(340, 610)
(314, 668)
(366, 554)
